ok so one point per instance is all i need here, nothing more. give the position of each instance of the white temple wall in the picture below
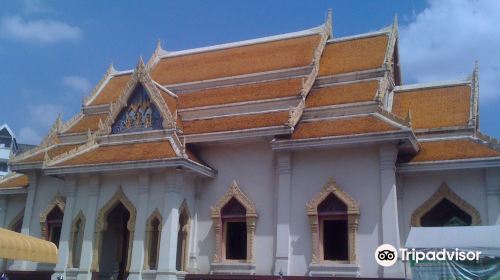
(418, 187)
(14, 205)
(356, 171)
(47, 188)
(252, 166)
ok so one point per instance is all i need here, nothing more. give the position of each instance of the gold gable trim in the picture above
(444, 192)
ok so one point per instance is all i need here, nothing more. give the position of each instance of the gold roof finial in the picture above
(46, 157)
(328, 23)
(111, 68)
(159, 44)
(58, 124)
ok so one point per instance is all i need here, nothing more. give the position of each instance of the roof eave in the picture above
(132, 165)
(15, 190)
(342, 141)
(442, 165)
(25, 166)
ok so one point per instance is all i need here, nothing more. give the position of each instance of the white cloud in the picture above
(28, 135)
(445, 39)
(35, 6)
(44, 115)
(78, 84)
(40, 31)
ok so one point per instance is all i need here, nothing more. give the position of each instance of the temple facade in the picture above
(296, 155)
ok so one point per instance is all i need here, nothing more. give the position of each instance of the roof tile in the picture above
(434, 108)
(123, 153)
(353, 55)
(261, 57)
(241, 93)
(341, 127)
(238, 122)
(451, 150)
(112, 90)
(342, 94)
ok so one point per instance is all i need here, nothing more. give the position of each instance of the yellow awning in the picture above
(16, 246)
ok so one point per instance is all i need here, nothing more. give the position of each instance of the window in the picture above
(77, 230)
(234, 218)
(445, 213)
(54, 225)
(153, 233)
(235, 230)
(51, 220)
(182, 238)
(445, 208)
(333, 216)
(333, 222)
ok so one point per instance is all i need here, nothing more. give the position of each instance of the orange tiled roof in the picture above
(353, 55)
(112, 90)
(236, 122)
(451, 150)
(14, 181)
(87, 122)
(52, 152)
(123, 153)
(436, 107)
(170, 100)
(342, 94)
(261, 57)
(241, 93)
(341, 127)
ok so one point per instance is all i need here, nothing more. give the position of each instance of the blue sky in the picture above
(52, 53)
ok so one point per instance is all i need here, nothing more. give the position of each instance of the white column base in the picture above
(233, 268)
(170, 275)
(84, 275)
(281, 266)
(337, 269)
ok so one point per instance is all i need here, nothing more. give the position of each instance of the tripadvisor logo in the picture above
(387, 255)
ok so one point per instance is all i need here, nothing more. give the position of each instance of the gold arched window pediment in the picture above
(352, 209)
(102, 224)
(150, 243)
(77, 230)
(444, 192)
(251, 216)
(59, 202)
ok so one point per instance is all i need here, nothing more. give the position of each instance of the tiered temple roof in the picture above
(13, 181)
(301, 90)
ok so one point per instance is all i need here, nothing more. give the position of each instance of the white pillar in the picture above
(493, 196)
(168, 242)
(193, 255)
(389, 205)
(34, 179)
(3, 222)
(3, 211)
(85, 272)
(62, 263)
(137, 262)
(401, 209)
(283, 193)
(30, 201)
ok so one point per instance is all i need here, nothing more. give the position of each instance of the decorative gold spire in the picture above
(46, 157)
(329, 23)
(58, 124)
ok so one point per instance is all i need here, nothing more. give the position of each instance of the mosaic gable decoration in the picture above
(139, 115)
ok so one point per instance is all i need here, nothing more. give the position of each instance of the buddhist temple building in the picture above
(296, 155)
